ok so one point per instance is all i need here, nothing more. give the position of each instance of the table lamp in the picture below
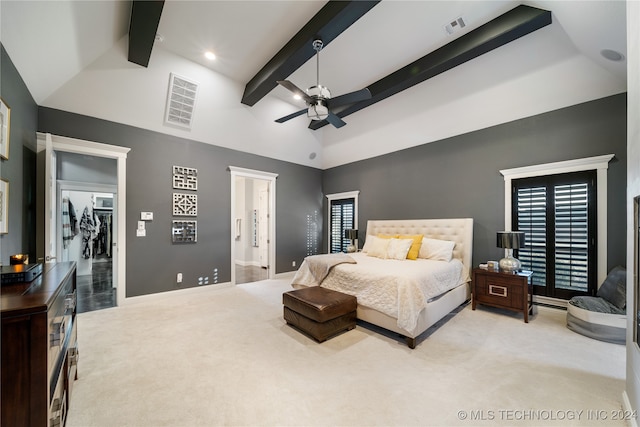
(351, 234)
(510, 240)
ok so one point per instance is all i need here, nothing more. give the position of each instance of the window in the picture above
(343, 214)
(597, 164)
(558, 215)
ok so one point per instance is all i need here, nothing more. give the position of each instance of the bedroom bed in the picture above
(405, 296)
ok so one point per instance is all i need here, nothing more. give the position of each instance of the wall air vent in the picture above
(181, 101)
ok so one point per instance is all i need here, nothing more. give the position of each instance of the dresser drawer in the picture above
(59, 319)
(58, 404)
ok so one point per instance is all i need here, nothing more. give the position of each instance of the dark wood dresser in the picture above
(39, 347)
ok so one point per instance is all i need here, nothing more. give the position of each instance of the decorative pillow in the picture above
(378, 247)
(415, 246)
(439, 250)
(368, 243)
(398, 248)
(614, 287)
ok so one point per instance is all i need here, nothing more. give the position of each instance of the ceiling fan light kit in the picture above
(318, 97)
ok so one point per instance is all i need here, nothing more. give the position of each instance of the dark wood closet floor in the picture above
(95, 291)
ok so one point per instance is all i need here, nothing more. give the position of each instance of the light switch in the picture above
(141, 233)
(141, 225)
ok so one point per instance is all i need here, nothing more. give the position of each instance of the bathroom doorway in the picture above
(253, 229)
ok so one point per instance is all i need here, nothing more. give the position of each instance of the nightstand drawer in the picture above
(499, 292)
(504, 290)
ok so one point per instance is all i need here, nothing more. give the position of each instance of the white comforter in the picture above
(400, 289)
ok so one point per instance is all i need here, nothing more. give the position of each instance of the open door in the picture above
(50, 205)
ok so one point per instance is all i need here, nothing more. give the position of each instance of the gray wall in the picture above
(459, 176)
(153, 261)
(20, 169)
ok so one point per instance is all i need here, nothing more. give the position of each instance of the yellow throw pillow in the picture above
(415, 246)
(387, 236)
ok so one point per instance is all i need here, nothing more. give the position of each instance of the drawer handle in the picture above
(74, 356)
(70, 302)
(500, 291)
(56, 405)
(58, 333)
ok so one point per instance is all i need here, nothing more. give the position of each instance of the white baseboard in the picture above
(285, 275)
(170, 294)
(554, 302)
(626, 406)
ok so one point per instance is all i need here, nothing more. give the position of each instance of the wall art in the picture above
(185, 178)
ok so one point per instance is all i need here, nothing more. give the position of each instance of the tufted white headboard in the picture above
(459, 230)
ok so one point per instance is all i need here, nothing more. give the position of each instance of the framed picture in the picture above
(5, 126)
(4, 206)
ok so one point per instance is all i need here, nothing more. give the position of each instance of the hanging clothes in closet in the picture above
(88, 230)
(69, 222)
(102, 243)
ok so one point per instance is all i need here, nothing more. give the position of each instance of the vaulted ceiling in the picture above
(427, 84)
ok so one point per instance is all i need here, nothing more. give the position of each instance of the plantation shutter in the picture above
(342, 218)
(557, 214)
(532, 219)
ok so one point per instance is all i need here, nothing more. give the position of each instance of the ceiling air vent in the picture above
(455, 25)
(181, 101)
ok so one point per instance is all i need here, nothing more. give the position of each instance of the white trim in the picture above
(90, 148)
(160, 296)
(266, 176)
(598, 163)
(340, 196)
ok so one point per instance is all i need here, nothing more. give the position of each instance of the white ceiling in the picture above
(73, 57)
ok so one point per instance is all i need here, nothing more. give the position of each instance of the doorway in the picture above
(253, 225)
(50, 148)
(86, 237)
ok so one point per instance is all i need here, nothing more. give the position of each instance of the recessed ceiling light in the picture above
(612, 55)
(297, 97)
(210, 55)
(159, 37)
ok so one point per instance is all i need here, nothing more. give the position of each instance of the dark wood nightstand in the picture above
(504, 290)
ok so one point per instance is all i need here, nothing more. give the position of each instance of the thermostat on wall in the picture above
(146, 216)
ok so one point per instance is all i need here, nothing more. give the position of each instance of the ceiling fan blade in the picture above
(296, 90)
(349, 98)
(291, 116)
(335, 120)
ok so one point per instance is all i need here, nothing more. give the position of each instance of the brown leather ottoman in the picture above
(319, 312)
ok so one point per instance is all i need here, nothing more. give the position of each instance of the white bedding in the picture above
(397, 288)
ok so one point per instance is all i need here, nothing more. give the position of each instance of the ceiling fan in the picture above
(318, 97)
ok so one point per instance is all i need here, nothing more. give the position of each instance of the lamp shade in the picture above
(510, 239)
(351, 234)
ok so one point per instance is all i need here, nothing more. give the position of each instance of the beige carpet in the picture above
(225, 357)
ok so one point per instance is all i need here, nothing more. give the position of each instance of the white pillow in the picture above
(439, 250)
(398, 248)
(377, 247)
(368, 243)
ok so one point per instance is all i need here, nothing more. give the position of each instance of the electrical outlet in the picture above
(293, 263)
(179, 278)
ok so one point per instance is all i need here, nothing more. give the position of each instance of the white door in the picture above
(263, 227)
(50, 205)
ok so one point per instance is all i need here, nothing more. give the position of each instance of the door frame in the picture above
(265, 176)
(54, 143)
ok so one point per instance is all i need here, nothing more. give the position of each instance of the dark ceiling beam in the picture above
(145, 17)
(327, 24)
(506, 28)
